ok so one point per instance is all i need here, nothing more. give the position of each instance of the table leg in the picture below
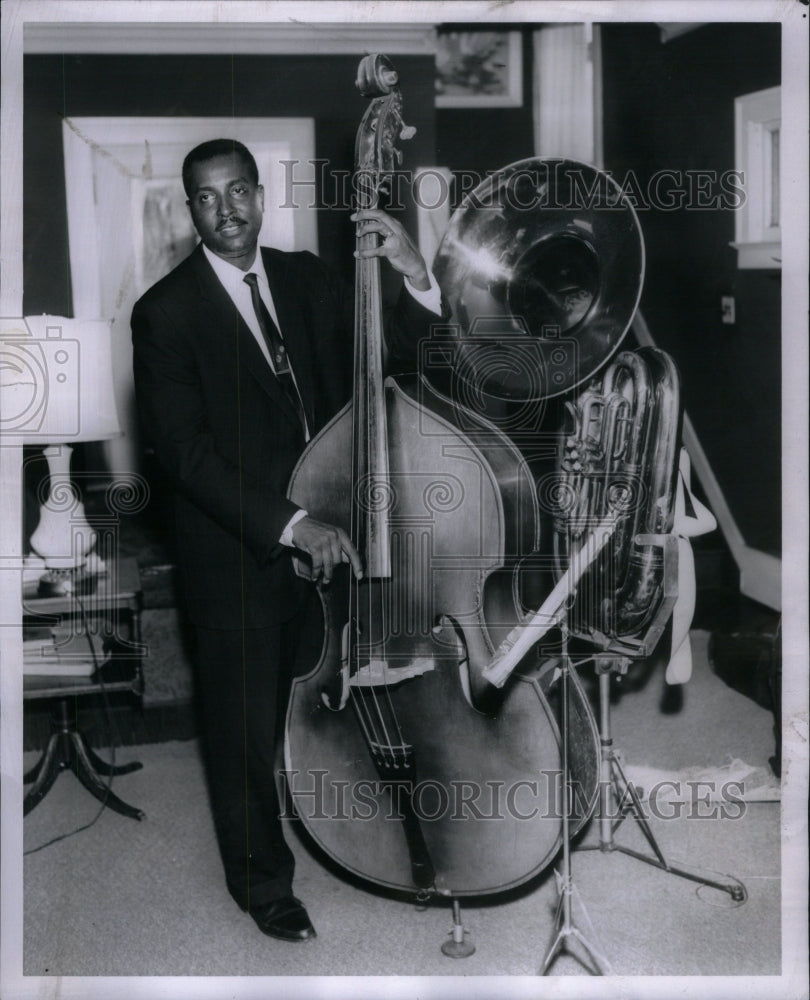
(44, 773)
(93, 783)
(103, 767)
(67, 750)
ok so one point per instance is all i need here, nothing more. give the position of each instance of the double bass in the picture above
(404, 764)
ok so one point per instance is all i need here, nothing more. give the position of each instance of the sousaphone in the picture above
(542, 266)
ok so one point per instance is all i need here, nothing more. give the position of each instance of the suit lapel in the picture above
(229, 319)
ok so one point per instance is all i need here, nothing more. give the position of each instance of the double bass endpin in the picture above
(459, 946)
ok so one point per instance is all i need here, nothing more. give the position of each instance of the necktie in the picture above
(278, 352)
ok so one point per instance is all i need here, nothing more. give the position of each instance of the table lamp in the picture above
(56, 390)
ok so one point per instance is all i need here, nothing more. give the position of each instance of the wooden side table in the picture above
(110, 618)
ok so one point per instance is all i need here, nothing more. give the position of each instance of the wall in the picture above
(486, 139)
(671, 106)
(321, 87)
(666, 106)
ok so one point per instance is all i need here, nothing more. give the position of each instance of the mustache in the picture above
(230, 221)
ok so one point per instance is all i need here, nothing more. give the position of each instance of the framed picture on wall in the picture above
(479, 69)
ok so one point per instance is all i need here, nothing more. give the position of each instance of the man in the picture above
(241, 357)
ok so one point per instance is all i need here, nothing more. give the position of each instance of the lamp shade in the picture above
(56, 381)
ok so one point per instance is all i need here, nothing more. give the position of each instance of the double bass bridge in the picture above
(380, 673)
(392, 761)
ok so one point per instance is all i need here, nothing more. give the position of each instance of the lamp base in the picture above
(62, 582)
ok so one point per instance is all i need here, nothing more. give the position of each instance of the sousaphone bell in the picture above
(542, 266)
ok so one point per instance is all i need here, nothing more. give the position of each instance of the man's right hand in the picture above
(326, 546)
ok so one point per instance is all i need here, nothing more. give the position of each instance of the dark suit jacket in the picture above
(224, 432)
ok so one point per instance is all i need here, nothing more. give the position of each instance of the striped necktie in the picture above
(278, 351)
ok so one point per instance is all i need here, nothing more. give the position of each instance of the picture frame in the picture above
(479, 69)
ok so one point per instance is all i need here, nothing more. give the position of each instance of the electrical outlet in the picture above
(727, 309)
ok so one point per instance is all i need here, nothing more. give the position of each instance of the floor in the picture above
(128, 899)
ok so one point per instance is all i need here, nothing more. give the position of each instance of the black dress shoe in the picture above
(285, 919)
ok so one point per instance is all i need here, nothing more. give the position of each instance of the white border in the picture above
(793, 982)
(237, 39)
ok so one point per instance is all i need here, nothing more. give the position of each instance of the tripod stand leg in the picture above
(555, 949)
(613, 776)
(556, 945)
(602, 965)
(565, 929)
(735, 889)
(565, 886)
(638, 813)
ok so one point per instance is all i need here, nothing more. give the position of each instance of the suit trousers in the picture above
(243, 682)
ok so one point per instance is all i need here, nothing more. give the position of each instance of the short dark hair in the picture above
(218, 147)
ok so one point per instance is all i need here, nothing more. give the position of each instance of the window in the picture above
(757, 121)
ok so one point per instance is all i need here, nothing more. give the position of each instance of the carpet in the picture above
(135, 899)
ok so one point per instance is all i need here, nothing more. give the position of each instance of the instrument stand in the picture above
(614, 787)
(563, 922)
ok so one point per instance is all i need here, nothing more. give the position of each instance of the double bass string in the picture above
(359, 445)
(365, 721)
(376, 325)
(370, 712)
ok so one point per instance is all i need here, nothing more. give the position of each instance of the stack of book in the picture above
(60, 651)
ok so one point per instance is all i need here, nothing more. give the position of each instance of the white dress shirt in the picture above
(232, 279)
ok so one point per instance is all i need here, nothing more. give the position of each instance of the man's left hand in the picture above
(395, 244)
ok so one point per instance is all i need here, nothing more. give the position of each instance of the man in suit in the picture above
(241, 355)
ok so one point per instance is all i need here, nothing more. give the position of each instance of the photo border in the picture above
(15, 15)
